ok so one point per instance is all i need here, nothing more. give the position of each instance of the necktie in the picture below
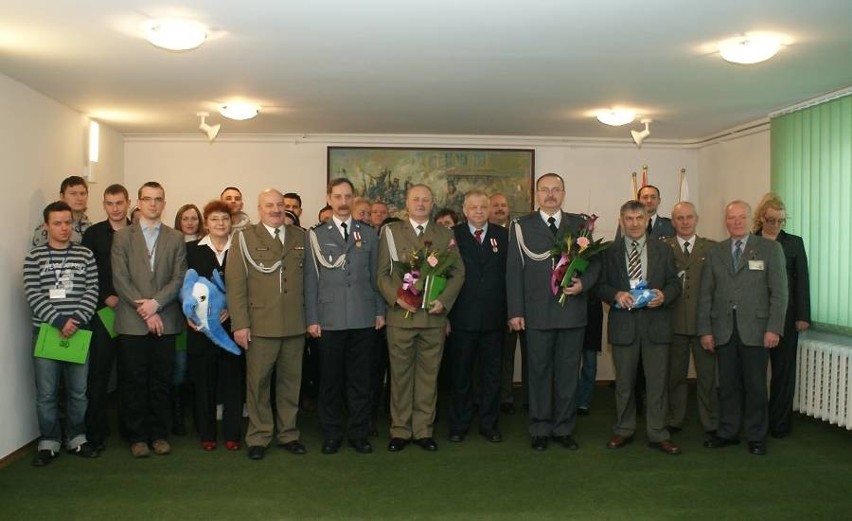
(478, 235)
(552, 224)
(277, 234)
(634, 263)
(419, 230)
(345, 231)
(650, 225)
(686, 248)
(737, 253)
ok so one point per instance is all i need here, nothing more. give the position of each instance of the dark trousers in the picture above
(553, 364)
(345, 382)
(466, 351)
(216, 375)
(510, 344)
(379, 384)
(102, 353)
(742, 389)
(147, 367)
(782, 386)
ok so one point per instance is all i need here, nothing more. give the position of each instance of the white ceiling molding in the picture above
(813, 101)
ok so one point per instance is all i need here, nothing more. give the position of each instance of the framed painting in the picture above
(384, 174)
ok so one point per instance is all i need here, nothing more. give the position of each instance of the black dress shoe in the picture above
(492, 436)
(507, 408)
(256, 452)
(361, 445)
(294, 447)
(673, 430)
(758, 448)
(397, 444)
(567, 441)
(330, 446)
(427, 444)
(456, 437)
(717, 442)
(539, 442)
(582, 411)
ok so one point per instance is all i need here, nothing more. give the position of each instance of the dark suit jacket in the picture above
(758, 291)
(481, 305)
(685, 310)
(389, 276)
(663, 228)
(661, 275)
(342, 298)
(134, 279)
(528, 289)
(798, 279)
(271, 304)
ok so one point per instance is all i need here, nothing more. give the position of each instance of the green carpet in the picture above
(805, 476)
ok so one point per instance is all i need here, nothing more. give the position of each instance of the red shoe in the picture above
(232, 445)
(208, 445)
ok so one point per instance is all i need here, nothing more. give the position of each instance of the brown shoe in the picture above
(140, 450)
(161, 447)
(616, 442)
(666, 446)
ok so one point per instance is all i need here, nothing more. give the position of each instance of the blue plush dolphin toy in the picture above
(203, 302)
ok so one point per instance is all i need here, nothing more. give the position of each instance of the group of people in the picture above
(345, 286)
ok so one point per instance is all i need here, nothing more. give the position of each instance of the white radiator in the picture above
(823, 387)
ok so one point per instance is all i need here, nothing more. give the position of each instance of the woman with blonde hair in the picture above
(769, 220)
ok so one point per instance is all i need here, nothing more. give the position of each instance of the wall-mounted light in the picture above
(211, 131)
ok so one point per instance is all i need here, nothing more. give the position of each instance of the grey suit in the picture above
(645, 331)
(686, 341)
(554, 333)
(344, 302)
(737, 306)
(147, 360)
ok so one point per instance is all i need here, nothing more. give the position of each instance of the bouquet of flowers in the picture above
(425, 275)
(571, 256)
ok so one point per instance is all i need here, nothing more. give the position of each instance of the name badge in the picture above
(755, 265)
(57, 293)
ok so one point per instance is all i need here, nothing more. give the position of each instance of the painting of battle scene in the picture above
(384, 174)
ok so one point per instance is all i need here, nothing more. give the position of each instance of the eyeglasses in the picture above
(158, 200)
(773, 221)
(554, 190)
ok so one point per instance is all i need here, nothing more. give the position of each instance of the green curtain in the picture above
(812, 172)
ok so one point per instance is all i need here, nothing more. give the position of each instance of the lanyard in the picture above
(57, 273)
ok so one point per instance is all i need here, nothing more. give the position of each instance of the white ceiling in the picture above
(482, 67)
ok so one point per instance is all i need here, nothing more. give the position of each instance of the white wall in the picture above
(41, 142)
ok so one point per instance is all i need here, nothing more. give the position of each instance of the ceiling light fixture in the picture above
(750, 48)
(239, 111)
(615, 117)
(211, 131)
(639, 137)
(175, 34)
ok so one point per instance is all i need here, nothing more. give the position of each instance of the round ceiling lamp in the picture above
(175, 34)
(615, 117)
(750, 48)
(239, 110)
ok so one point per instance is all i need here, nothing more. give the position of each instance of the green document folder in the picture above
(50, 344)
(432, 289)
(107, 316)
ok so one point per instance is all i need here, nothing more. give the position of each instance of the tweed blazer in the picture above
(345, 297)
(661, 275)
(134, 279)
(757, 287)
(389, 276)
(270, 304)
(685, 309)
(528, 289)
(481, 305)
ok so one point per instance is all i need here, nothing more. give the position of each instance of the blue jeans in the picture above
(588, 373)
(47, 375)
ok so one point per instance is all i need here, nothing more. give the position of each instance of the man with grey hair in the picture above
(741, 314)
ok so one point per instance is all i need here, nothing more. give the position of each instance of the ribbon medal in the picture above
(357, 236)
(493, 244)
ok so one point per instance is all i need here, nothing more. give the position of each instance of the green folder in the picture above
(50, 344)
(107, 315)
(180, 342)
(432, 289)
